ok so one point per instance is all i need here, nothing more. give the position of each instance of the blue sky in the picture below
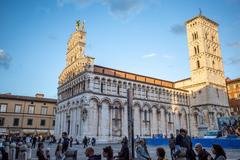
(140, 36)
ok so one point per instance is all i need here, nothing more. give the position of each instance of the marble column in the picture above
(93, 118)
(184, 120)
(78, 119)
(71, 122)
(142, 124)
(105, 120)
(154, 122)
(176, 117)
(163, 121)
(86, 122)
(137, 121)
(74, 122)
(56, 124)
(111, 112)
(167, 124)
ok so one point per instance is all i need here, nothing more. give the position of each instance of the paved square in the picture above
(232, 154)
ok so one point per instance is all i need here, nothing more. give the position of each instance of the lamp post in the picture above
(130, 123)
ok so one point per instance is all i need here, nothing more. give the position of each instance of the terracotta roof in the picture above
(198, 16)
(27, 98)
(133, 77)
(232, 80)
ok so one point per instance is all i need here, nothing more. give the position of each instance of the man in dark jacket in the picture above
(65, 142)
(180, 149)
(90, 154)
(187, 143)
(124, 152)
(202, 154)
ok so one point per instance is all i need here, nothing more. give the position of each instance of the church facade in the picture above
(92, 99)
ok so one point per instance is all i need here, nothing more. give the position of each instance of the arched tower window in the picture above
(196, 34)
(195, 50)
(118, 89)
(101, 87)
(213, 64)
(198, 64)
(145, 116)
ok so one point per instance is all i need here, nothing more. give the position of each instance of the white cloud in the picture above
(80, 3)
(149, 55)
(166, 56)
(234, 44)
(178, 29)
(5, 59)
(122, 9)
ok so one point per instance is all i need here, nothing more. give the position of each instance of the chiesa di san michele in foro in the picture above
(92, 99)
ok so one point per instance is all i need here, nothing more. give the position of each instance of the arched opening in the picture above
(198, 64)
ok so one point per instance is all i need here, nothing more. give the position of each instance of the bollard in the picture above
(22, 152)
(71, 154)
(12, 151)
(29, 151)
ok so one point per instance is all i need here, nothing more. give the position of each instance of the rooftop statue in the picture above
(80, 25)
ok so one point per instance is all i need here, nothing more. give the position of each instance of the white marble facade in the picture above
(100, 109)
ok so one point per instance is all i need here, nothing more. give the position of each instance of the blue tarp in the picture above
(233, 143)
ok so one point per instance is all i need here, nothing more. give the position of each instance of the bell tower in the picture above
(204, 51)
(206, 85)
(76, 60)
(76, 44)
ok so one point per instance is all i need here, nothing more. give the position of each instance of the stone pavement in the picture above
(232, 154)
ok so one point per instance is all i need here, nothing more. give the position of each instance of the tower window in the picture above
(213, 63)
(101, 87)
(118, 89)
(198, 64)
(206, 35)
(197, 49)
(213, 38)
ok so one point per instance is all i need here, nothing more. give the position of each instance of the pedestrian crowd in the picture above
(180, 149)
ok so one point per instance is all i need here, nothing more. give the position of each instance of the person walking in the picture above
(145, 149)
(65, 142)
(124, 152)
(71, 141)
(34, 140)
(187, 143)
(85, 142)
(202, 154)
(40, 152)
(219, 152)
(108, 153)
(180, 149)
(58, 153)
(141, 153)
(93, 141)
(171, 144)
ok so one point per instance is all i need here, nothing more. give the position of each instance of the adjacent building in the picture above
(233, 86)
(27, 115)
(92, 99)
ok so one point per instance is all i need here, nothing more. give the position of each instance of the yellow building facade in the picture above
(26, 115)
